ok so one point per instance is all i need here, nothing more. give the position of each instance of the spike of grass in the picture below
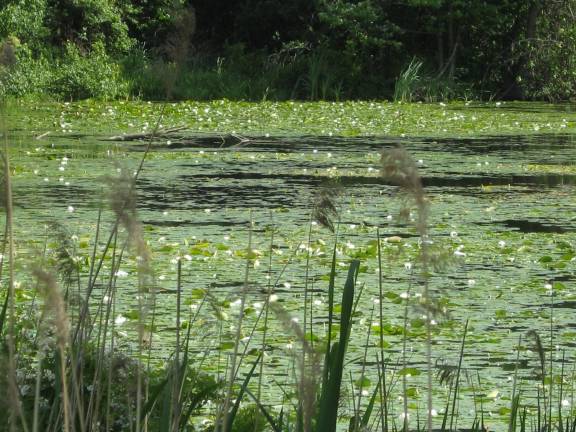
(330, 395)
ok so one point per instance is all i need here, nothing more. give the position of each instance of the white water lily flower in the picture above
(120, 319)
(408, 265)
(121, 274)
(493, 394)
(471, 282)
(501, 243)
(404, 416)
(453, 234)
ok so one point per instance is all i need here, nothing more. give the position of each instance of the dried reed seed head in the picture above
(399, 167)
(325, 206)
(64, 253)
(178, 42)
(123, 202)
(8, 52)
(54, 301)
(122, 193)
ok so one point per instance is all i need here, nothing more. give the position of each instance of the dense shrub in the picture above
(95, 74)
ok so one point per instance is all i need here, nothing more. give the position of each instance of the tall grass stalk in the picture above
(398, 167)
(404, 357)
(13, 392)
(177, 365)
(224, 414)
(382, 381)
(453, 414)
(357, 420)
(266, 310)
(406, 84)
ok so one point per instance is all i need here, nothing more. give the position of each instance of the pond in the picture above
(501, 218)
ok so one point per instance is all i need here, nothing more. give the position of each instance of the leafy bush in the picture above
(24, 75)
(93, 75)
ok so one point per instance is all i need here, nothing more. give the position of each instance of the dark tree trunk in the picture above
(523, 30)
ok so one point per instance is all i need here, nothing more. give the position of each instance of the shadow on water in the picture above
(531, 226)
(221, 181)
(482, 145)
(521, 107)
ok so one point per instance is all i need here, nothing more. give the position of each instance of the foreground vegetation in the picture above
(427, 50)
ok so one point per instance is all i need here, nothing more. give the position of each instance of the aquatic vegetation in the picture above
(369, 118)
(192, 276)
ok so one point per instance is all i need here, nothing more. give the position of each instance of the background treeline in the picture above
(298, 49)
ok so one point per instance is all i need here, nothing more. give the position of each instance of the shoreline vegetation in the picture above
(425, 50)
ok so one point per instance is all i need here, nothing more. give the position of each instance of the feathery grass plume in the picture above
(8, 52)
(177, 46)
(122, 195)
(54, 303)
(398, 167)
(539, 349)
(123, 199)
(64, 254)
(325, 206)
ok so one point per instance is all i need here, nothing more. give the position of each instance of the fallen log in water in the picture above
(145, 135)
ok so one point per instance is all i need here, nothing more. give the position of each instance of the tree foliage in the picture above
(316, 48)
